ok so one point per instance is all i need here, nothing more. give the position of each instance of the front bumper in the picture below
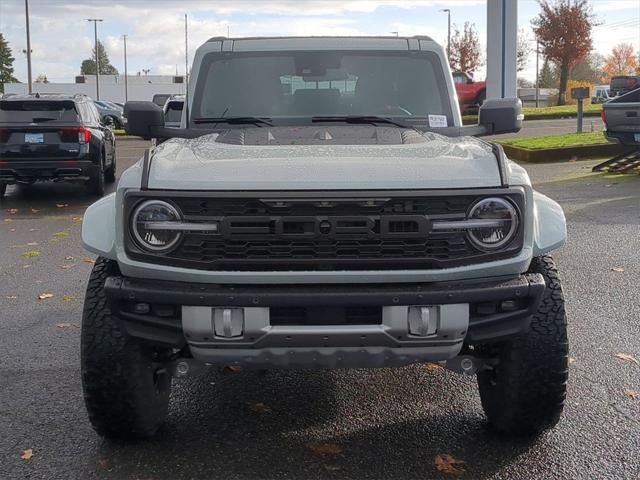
(416, 323)
(36, 170)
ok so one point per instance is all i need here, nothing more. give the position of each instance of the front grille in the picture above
(331, 232)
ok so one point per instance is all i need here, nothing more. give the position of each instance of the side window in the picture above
(84, 114)
(95, 116)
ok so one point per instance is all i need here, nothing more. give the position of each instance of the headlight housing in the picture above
(497, 221)
(147, 222)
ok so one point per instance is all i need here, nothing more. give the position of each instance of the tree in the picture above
(621, 61)
(6, 64)
(88, 66)
(563, 29)
(42, 78)
(548, 77)
(524, 49)
(590, 69)
(466, 54)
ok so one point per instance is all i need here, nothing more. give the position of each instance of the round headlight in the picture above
(500, 223)
(147, 225)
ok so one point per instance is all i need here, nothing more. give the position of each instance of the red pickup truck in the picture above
(471, 94)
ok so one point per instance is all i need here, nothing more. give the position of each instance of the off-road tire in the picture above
(524, 393)
(126, 391)
(97, 180)
(110, 173)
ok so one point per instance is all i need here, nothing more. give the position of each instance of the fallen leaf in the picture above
(11, 297)
(632, 394)
(12, 229)
(45, 296)
(627, 358)
(432, 367)
(12, 211)
(77, 219)
(26, 266)
(88, 260)
(617, 269)
(34, 210)
(67, 267)
(260, 408)
(232, 369)
(69, 257)
(60, 235)
(449, 464)
(8, 220)
(62, 205)
(572, 360)
(68, 298)
(31, 254)
(65, 325)
(34, 229)
(32, 244)
(322, 449)
(27, 454)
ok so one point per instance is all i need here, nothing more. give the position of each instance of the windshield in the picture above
(279, 85)
(35, 111)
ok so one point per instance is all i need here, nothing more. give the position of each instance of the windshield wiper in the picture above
(362, 119)
(236, 120)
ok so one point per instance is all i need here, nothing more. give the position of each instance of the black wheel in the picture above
(110, 173)
(126, 389)
(3, 190)
(96, 182)
(524, 393)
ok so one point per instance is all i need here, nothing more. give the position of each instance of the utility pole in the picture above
(95, 33)
(537, 73)
(126, 93)
(29, 78)
(448, 12)
(186, 68)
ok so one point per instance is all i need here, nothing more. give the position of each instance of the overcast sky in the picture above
(61, 37)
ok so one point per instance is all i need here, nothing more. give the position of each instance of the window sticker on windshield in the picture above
(436, 121)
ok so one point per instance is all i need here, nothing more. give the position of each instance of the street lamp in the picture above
(28, 51)
(126, 93)
(448, 12)
(95, 33)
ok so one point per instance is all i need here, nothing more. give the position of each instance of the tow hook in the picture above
(468, 365)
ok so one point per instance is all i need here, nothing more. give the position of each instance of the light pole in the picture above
(126, 93)
(537, 73)
(95, 33)
(28, 52)
(448, 12)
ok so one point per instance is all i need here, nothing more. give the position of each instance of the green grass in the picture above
(557, 141)
(542, 113)
(119, 132)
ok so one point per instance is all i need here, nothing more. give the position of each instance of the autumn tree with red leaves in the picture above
(563, 28)
(621, 61)
(466, 55)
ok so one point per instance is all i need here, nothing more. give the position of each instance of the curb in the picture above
(561, 154)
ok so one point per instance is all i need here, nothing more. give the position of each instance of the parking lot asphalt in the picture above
(346, 424)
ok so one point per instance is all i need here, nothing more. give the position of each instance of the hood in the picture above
(323, 158)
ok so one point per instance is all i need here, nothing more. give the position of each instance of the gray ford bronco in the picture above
(322, 206)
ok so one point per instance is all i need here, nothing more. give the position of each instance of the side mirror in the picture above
(501, 115)
(108, 122)
(144, 119)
